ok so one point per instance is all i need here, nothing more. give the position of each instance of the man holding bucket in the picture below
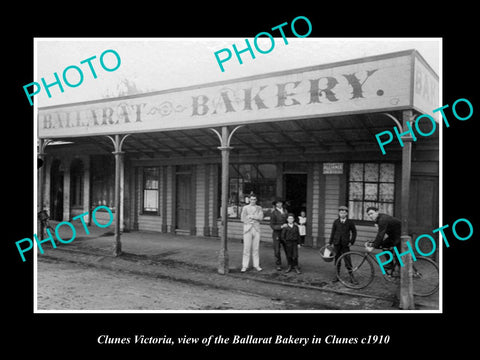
(342, 236)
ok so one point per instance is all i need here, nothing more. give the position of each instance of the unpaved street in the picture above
(69, 286)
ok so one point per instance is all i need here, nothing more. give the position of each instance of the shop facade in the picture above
(305, 135)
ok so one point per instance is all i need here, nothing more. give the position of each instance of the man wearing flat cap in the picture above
(278, 220)
(342, 236)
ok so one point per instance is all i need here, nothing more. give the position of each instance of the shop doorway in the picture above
(56, 191)
(183, 212)
(295, 189)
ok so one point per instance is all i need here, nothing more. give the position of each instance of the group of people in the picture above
(289, 234)
(286, 233)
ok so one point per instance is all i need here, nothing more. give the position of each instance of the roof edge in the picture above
(248, 78)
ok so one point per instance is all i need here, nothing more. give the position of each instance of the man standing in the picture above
(342, 236)
(251, 216)
(278, 220)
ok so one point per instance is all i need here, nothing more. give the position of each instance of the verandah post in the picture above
(224, 137)
(223, 266)
(118, 153)
(406, 284)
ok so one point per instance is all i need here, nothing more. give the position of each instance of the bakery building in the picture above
(306, 135)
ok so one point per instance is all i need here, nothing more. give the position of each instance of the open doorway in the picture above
(56, 191)
(295, 189)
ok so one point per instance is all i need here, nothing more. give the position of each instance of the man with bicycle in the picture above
(387, 226)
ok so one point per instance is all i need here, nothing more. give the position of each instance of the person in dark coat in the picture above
(278, 220)
(342, 236)
(387, 225)
(389, 232)
(290, 235)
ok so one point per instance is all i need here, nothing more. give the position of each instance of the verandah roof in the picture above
(351, 134)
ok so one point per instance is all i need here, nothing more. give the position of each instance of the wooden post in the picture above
(41, 157)
(225, 148)
(223, 253)
(118, 244)
(406, 284)
(86, 187)
(117, 145)
(40, 187)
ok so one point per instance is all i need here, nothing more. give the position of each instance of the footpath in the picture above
(152, 253)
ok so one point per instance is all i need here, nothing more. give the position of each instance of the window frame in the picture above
(145, 169)
(366, 220)
(236, 179)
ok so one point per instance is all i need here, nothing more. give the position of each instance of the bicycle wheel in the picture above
(355, 270)
(425, 277)
(392, 274)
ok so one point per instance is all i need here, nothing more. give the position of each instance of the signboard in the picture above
(370, 84)
(332, 168)
(425, 89)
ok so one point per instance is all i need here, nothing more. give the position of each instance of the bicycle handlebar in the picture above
(369, 248)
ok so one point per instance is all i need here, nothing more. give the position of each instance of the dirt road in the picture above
(83, 282)
(69, 286)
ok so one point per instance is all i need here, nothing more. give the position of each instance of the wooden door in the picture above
(183, 201)
(423, 207)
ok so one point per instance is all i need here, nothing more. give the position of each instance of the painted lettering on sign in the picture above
(122, 114)
(425, 88)
(315, 91)
(321, 90)
(332, 168)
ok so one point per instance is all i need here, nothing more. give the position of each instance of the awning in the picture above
(300, 137)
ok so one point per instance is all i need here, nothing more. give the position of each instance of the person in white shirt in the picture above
(302, 229)
(251, 216)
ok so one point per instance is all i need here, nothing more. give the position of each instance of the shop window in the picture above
(370, 184)
(150, 190)
(260, 179)
(103, 180)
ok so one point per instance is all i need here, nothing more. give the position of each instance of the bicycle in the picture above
(425, 273)
(44, 218)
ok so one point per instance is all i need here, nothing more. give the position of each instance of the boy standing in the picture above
(342, 236)
(291, 237)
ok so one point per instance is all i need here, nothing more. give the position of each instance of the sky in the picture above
(165, 63)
